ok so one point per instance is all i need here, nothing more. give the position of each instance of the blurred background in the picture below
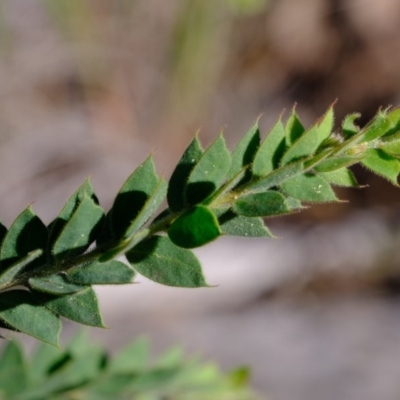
(92, 87)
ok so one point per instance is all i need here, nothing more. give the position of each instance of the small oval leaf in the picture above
(245, 151)
(209, 172)
(159, 260)
(19, 310)
(138, 199)
(270, 151)
(237, 225)
(102, 273)
(80, 230)
(194, 228)
(177, 183)
(309, 188)
(81, 307)
(54, 284)
(26, 234)
(262, 204)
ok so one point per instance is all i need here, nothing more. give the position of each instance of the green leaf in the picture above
(391, 147)
(19, 310)
(305, 146)
(262, 204)
(245, 151)
(54, 284)
(13, 370)
(132, 358)
(81, 307)
(349, 128)
(277, 177)
(68, 210)
(270, 151)
(325, 126)
(177, 184)
(382, 164)
(209, 172)
(394, 120)
(106, 273)
(7, 276)
(309, 188)
(196, 227)
(237, 225)
(340, 177)
(80, 230)
(376, 128)
(26, 234)
(294, 128)
(158, 259)
(294, 204)
(334, 163)
(138, 199)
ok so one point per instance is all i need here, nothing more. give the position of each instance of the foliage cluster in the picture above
(47, 272)
(84, 371)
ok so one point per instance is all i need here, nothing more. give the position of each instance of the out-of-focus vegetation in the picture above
(85, 371)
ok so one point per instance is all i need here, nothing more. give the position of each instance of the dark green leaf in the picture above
(237, 225)
(194, 228)
(106, 234)
(309, 188)
(67, 211)
(245, 151)
(277, 177)
(106, 273)
(382, 164)
(349, 128)
(177, 183)
(19, 310)
(80, 230)
(294, 128)
(13, 370)
(137, 200)
(8, 275)
(262, 204)
(209, 172)
(340, 177)
(132, 358)
(81, 307)
(27, 233)
(153, 202)
(54, 284)
(158, 259)
(270, 151)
